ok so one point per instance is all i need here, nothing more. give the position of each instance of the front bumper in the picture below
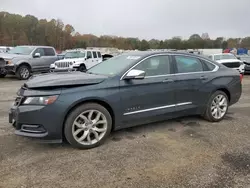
(10, 69)
(42, 122)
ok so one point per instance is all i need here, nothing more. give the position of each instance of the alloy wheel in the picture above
(24, 73)
(219, 106)
(89, 127)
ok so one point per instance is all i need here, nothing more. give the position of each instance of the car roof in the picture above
(36, 46)
(144, 54)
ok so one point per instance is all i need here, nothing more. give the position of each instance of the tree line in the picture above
(29, 30)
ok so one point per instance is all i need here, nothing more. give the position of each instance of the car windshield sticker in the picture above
(133, 57)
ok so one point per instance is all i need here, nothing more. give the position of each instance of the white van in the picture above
(80, 60)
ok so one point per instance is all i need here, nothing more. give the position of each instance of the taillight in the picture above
(241, 77)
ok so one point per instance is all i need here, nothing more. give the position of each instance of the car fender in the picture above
(21, 62)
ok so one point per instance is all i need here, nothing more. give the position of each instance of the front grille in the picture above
(63, 64)
(232, 64)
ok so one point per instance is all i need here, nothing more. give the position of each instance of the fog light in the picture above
(32, 128)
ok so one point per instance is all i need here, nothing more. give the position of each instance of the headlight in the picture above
(44, 100)
(9, 62)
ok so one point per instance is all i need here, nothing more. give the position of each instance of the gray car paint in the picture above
(37, 64)
(121, 97)
(64, 79)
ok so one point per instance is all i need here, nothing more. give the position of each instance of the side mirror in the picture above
(135, 74)
(37, 55)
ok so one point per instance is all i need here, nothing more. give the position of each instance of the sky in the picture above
(145, 19)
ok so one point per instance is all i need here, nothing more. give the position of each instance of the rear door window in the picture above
(187, 64)
(48, 52)
(207, 65)
(99, 54)
(94, 54)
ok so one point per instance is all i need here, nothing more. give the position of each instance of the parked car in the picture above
(22, 61)
(80, 60)
(5, 49)
(246, 61)
(61, 56)
(124, 91)
(106, 56)
(229, 60)
(2, 68)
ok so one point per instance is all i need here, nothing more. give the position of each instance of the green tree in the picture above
(144, 45)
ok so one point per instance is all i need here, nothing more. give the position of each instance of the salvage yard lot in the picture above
(185, 152)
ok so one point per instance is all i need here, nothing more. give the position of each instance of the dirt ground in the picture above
(186, 152)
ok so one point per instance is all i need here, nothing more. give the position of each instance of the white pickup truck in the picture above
(229, 60)
(79, 60)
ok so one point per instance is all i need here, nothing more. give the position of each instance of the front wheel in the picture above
(88, 126)
(217, 107)
(23, 72)
(3, 72)
(82, 68)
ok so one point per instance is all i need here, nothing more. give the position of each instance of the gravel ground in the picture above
(186, 152)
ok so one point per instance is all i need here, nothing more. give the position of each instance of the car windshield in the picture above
(23, 50)
(70, 55)
(224, 56)
(114, 65)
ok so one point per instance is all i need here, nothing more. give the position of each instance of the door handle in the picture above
(203, 77)
(168, 81)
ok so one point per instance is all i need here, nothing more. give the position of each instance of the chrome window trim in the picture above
(157, 108)
(214, 70)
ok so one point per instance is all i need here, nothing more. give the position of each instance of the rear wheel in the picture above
(23, 72)
(88, 126)
(217, 107)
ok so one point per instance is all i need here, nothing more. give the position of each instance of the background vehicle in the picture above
(229, 60)
(3, 71)
(61, 55)
(5, 49)
(124, 91)
(25, 60)
(246, 60)
(106, 56)
(80, 60)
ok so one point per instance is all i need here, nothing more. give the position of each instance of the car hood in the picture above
(60, 79)
(11, 56)
(228, 60)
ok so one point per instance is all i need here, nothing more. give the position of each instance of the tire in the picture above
(212, 104)
(82, 68)
(23, 72)
(3, 73)
(85, 130)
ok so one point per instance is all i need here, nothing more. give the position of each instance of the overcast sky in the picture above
(147, 19)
